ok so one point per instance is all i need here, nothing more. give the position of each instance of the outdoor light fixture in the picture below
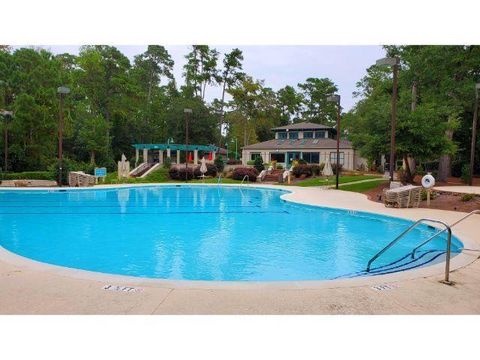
(336, 99)
(186, 112)
(474, 134)
(62, 91)
(393, 62)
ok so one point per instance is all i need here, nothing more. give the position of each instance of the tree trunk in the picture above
(408, 172)
(92, 157)
(444, 167)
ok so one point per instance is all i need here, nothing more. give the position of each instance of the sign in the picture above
(100, 172)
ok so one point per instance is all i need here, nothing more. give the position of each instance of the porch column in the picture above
(178, 157)
(137, 156)
(145, 155)
(169, 155)
(195, 157)
(160, 156)
(213, 155)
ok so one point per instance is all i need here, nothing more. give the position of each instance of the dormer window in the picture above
(308, 134)
(293, 135)
(321, 134)
(282, 135)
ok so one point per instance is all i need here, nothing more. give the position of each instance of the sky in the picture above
(282, 65)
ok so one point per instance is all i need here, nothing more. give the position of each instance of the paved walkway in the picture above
(27, 287)
(459, 189)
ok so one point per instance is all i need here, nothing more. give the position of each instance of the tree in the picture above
(315, 93)
(200, 69)
(92, 136)
(290, 104)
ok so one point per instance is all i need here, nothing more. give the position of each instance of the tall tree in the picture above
(290, 104)
(315, 93)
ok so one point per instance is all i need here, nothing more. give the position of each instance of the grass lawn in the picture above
(362, 187)
(331, 180)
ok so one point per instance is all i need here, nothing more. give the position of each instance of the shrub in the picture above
(302, 169)
(212, 171)
(234, 162)
(70, 165)
(30, 175)
(380, 169)
(258, 164)
(322, 166)
(466, 176)
(316, 170)
(279, 167)
(302, 162)
(180, 173)
(219, 164)
(467, 197)
(251, 162)
(334, 168)
(239, 174)
(167, 164)
(433, 195)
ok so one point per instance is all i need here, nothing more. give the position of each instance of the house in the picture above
(314, 143)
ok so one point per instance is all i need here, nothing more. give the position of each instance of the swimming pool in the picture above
(205, 233)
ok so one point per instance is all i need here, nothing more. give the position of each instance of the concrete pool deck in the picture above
(29, 287)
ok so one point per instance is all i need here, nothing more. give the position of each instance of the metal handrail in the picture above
(245, 177)
(442, 231)
(410, 228)
(219, 179)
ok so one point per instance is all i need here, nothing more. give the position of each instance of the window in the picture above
(293, 135)
(308, 134)
(333, 158)
(320, 134)
(254, 156)
(278, 157)
(282, 135)
(311, 157)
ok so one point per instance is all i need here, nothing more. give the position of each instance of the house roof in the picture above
(302, 126)
(307, 144)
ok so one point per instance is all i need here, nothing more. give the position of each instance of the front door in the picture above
(294, 155)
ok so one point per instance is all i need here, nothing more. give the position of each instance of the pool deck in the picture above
(29, 287)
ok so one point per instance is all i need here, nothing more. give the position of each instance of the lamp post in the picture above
(393, 62)
(474, 134)
(236, 148)
(336, 99)
(7, 116)
(186, 112)
(62, 91)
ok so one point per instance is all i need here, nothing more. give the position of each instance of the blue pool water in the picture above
(204, 233)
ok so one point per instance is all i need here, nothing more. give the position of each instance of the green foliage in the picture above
(167, 163)
(29, 175)
(258, 164)
(219, 163)
(467, 197)
(251, 162)
(466, 176)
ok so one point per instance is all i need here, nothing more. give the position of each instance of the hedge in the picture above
(29, 175)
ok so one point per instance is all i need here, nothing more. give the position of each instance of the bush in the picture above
(211, 171)
(466, 176)
(234, 162)
(70, 165)
(433, 195)
(316, 170)
(239, 174)
(380, 169)
(181, 173)
(258, 164)
(467, 197)
(30, 175)
(167, 163)
(334, 168)
(219, 164)
(302, 162)
(302, 169)
(279, 167)
(251, 162)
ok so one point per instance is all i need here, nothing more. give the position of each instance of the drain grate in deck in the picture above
(384, 287)
(126, 289)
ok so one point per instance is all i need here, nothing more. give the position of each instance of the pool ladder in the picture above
(447, 228)
(245, 177)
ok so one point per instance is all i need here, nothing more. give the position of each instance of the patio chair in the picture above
(403, 196)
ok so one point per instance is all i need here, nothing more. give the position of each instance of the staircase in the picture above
(273, 176)
(141, 169)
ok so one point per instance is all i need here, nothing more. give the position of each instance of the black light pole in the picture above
(474, 134)
(62, 91)
(186, 112)
(336, 99)
(393, 62)
(7, 116)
